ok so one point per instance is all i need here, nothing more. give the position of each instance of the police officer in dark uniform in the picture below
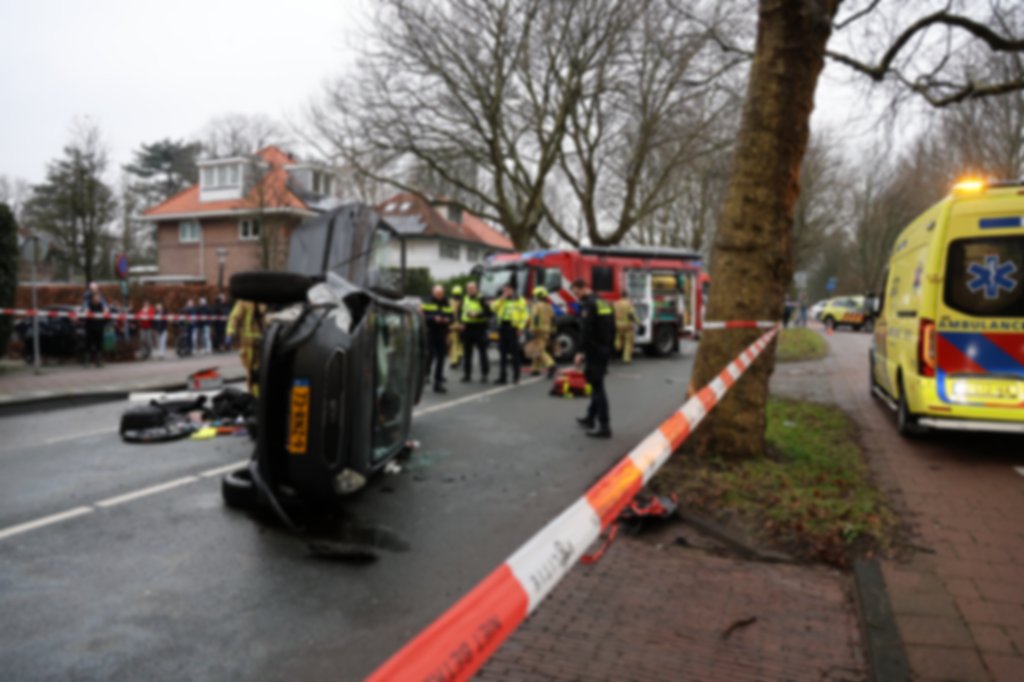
(474, 313)
(438, 312)
(597, 334)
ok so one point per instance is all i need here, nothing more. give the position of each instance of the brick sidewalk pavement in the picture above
(959, 601)
(21, 384)
(660, 612)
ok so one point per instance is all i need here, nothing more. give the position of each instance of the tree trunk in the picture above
(751, 262)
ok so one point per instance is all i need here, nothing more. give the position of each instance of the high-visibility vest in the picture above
(433, 307)
(470, 307)
(604, 307)
(513, 312)
(247, 320)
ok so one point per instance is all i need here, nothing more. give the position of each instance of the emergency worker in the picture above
(246, 320)
(625, 326)
(541, 326)
(438, 313)
(597, 331)
(513, 315)
(455, 331)
(474, 313)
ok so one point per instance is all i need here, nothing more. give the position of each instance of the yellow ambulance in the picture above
(948, 348)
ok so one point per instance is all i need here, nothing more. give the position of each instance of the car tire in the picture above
(238, 489)
(275, 288)
(567, 343)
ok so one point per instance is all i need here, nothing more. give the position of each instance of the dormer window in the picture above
(224, 176)
(222, 179)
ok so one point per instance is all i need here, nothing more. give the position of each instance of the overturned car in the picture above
(341, 365)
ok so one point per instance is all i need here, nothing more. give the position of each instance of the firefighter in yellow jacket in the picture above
(541, 326)
(246, 320)
(625, 326)
(455, 332)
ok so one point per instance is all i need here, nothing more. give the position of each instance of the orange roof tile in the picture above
(271, 192)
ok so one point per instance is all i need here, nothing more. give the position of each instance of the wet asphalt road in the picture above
(173, 585)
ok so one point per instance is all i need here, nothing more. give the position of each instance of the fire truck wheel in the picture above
(279, 288)
(238, 490)
(567, 341)
(664, 340)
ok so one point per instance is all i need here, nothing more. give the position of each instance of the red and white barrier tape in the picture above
(739, 324)
(89, 315)
(458, 643)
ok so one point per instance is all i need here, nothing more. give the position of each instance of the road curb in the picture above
(886, 657)
(12, 405)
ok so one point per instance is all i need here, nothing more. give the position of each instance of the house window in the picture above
(450, 251)
(188, 231)
(249, 229)
(473, 254)
(601, 278)
(233, 175)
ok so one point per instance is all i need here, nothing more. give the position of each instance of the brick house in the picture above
(242, 211)
(440, 236)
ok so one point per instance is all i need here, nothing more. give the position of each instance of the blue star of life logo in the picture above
(993, 277)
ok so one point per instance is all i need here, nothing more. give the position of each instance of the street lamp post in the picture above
(222, 258)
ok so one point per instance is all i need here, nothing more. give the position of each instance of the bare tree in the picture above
(75, 206)
(752, 261)
(649, 112)
(14, 192)
(493, 85)
(241, 135)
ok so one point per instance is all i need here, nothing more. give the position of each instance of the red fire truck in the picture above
(667, 287)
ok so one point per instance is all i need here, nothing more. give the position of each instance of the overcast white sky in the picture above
(145, 71)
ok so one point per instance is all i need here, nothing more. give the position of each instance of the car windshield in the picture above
(983, 276)
(493, 280)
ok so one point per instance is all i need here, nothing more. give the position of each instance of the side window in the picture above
(552, 279)
(602, 278)
(391, 394)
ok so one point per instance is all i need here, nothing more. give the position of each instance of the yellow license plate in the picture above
(853, 318)
(298, 424)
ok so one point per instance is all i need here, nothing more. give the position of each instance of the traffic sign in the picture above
(832, 283)
(121, 265)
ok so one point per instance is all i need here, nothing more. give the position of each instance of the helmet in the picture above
(540, 292)
(457, 290)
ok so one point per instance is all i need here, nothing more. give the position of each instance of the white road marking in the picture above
(45, 521)
(74, 436)
(470, 398)
(209, 473)
(152, 490)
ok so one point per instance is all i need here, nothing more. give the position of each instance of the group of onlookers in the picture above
(203, 335)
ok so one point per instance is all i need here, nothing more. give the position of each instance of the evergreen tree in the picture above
(162, 169)
(8, 270)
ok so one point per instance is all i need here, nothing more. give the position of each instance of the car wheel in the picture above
(906, 421)
(276, 288)
(567, 342)
(238, 490)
